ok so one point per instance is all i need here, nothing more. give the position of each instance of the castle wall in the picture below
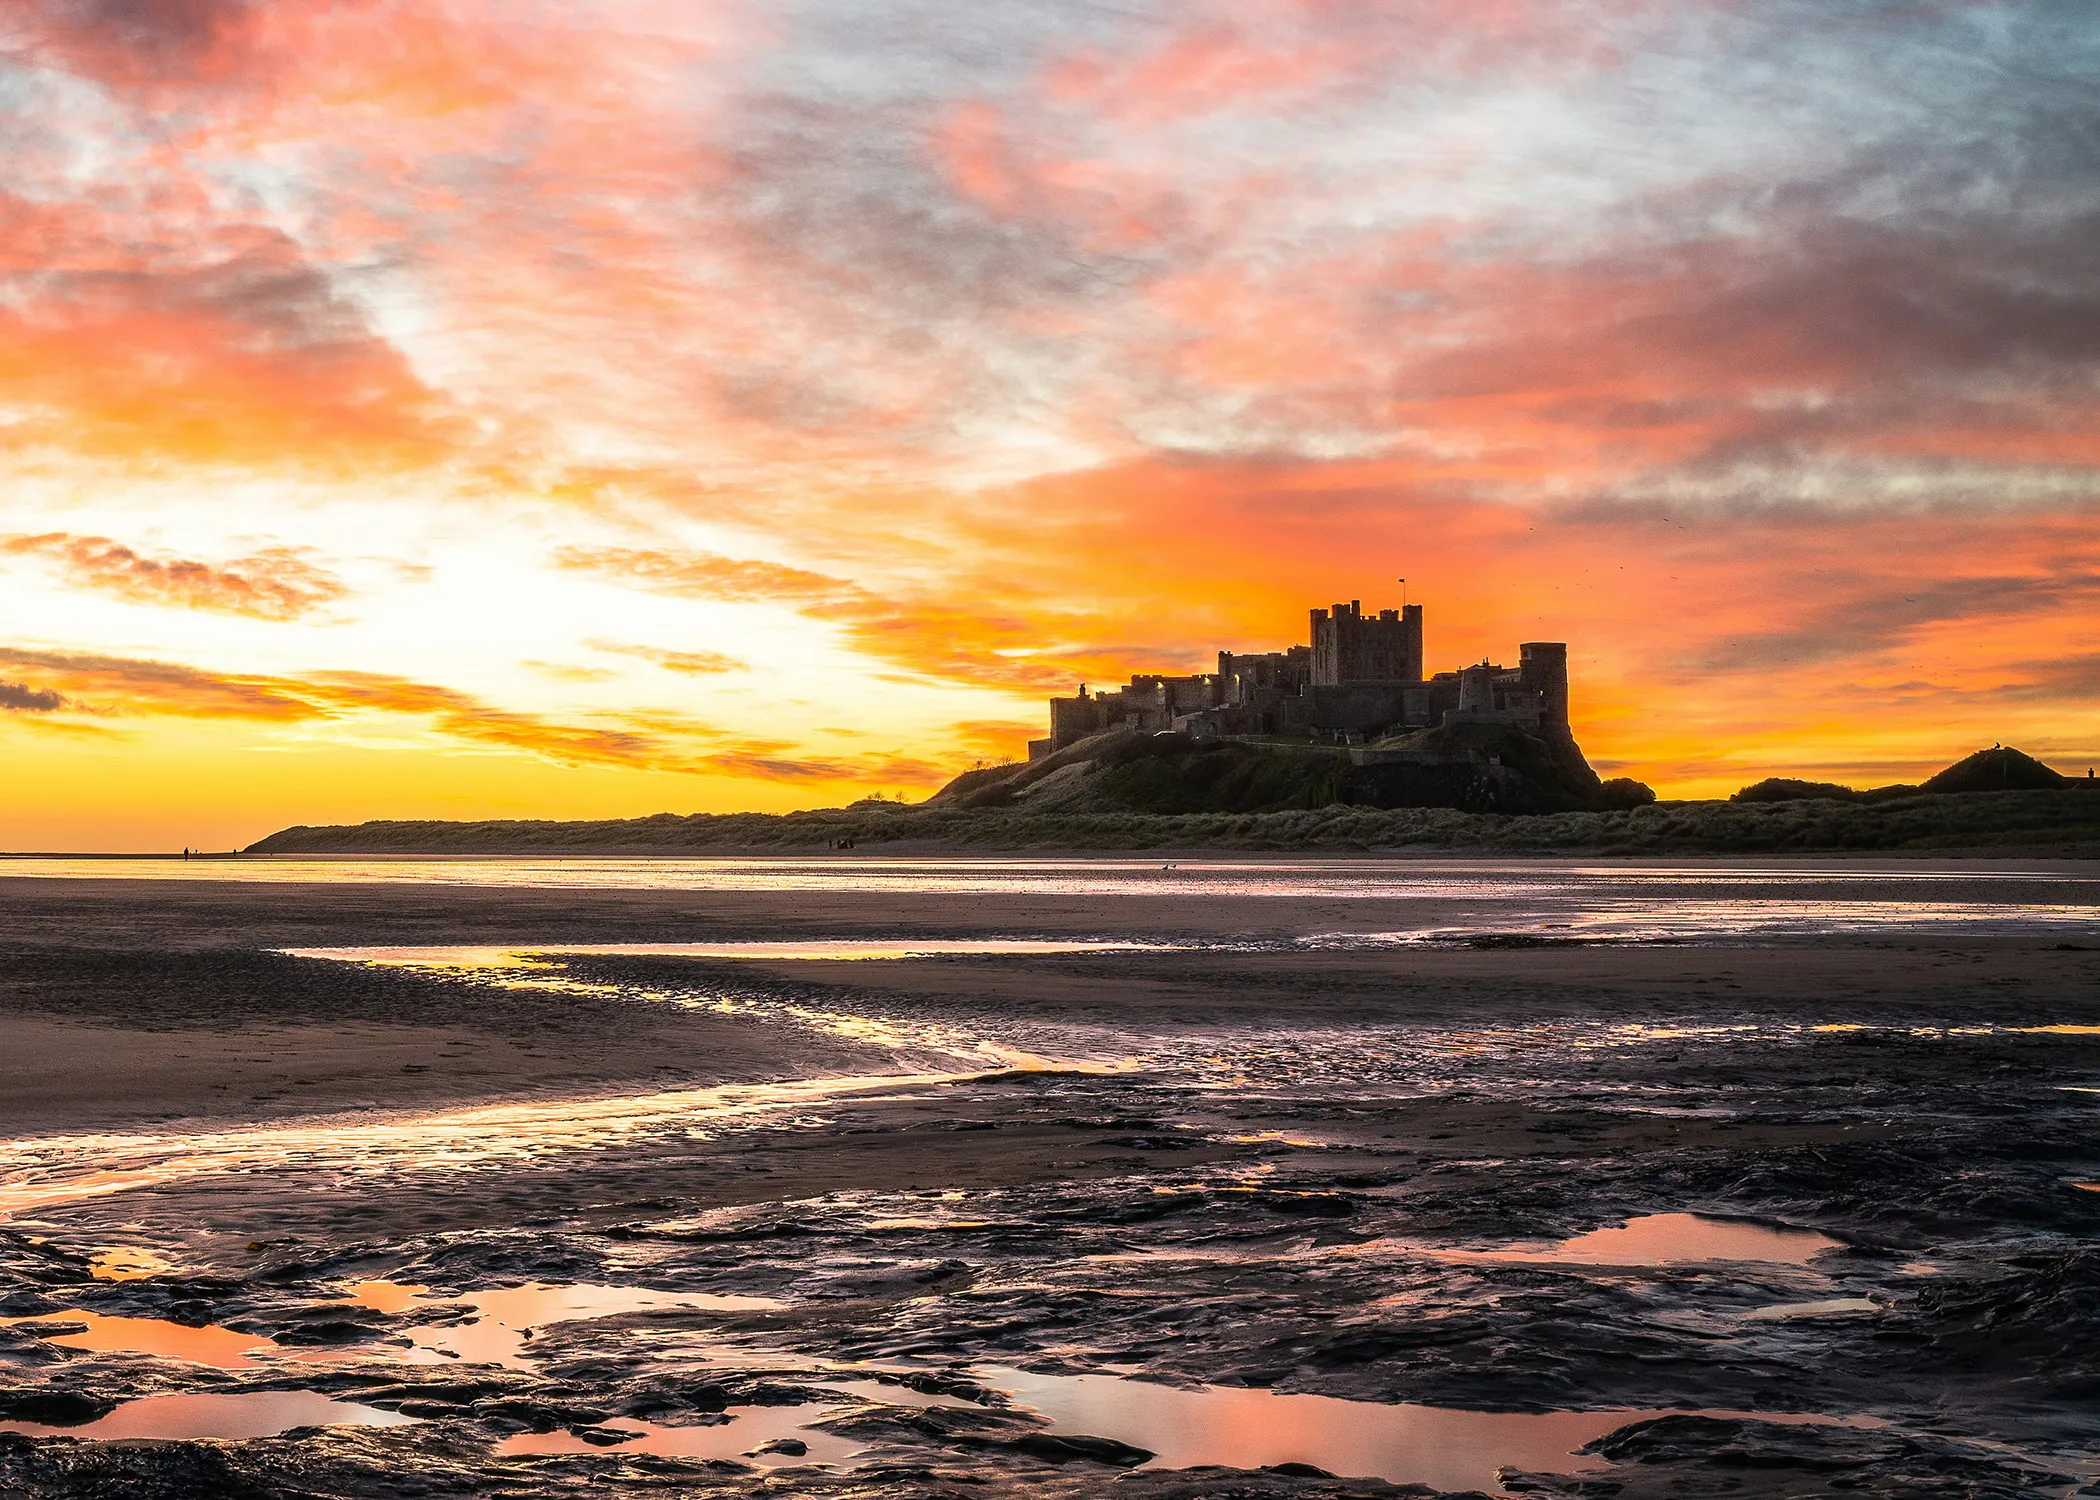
(1073, 719)
(1533, 694)
(1364, 707)
(1243, 678)
(1362, 675)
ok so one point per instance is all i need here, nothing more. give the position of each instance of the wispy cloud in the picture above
(279, 583)
(997, 739)
(686, 663)
(128, 687)
(938, 637)
(1731, 342)
(119, 687)
(562, 671)
(19, 697)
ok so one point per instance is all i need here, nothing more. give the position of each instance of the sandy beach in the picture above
(1241, 1158)
(156, 1000)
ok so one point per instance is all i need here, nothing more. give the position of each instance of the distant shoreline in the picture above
(2064, 823)
(933, 854)
(193, 857)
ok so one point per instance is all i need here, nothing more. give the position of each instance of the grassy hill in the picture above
(1468, 767)
(2063, 822)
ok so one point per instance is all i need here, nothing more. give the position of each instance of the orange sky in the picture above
(599, 407)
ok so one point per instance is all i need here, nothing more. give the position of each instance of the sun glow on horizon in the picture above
(459, 408)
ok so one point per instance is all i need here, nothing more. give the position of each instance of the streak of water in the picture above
(1548, 889)
(1828, 1307)
(523, 955)
(58, 1169)
(531, 968)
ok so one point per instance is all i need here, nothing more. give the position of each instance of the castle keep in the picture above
(1361, 678)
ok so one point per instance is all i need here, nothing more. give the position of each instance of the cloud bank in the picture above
(1753, 349)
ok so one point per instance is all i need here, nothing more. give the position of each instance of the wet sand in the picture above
(128, 1001)
(1267, 1173)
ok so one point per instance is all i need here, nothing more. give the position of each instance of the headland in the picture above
(1345, 744)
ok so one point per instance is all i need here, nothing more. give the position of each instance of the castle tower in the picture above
(1350, 646)
(1476, 690)
(1543, 666)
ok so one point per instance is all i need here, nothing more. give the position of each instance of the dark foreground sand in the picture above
(1264, 1197)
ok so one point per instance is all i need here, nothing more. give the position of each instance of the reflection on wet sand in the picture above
(61, 1169)
(1260, 1197)
(469, 956)
(1457, 900)
(489, 1327)
(1446, 1448)
(504, 1317)
(247, 1415)
(222, 1348)
(1671, 1239)
(743, 1435)
(1829, 1307)
(1403, 1443)
(126, 1263)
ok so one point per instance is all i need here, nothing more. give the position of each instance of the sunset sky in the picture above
(590, 408)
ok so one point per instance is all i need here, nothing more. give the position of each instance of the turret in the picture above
(1544, 665)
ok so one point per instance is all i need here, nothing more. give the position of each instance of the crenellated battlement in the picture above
(1362, 677)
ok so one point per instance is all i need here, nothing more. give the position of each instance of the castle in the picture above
(1359, 679)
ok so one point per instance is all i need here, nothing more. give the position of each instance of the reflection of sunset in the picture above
(419, 411)
(206, 1345)
(1445, 1448)
(1672, 1239)
(63, 1169)
(244, 1414)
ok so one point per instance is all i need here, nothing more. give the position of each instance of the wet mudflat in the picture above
(1267, 1206)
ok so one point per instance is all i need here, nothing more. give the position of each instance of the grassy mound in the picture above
(2064, 822)
(1127, 771)
(1786, 789)
(1470, 767)
(1998, 769)
(1125, 790)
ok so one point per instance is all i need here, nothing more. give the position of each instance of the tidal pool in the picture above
(247, 1415)
(496, 1334)
(1403, 1443)
(221, 1348)
(740, 1438)
(1447, 1448)
(504, 1316)
(1671, 1239)
(127, 1263)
